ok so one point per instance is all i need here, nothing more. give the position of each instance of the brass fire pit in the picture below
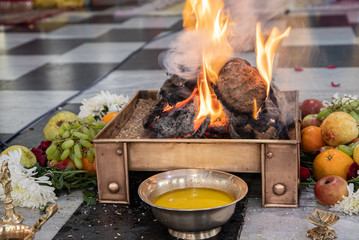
(276, 160)
(10, 224)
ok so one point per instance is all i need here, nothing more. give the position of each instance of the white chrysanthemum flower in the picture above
(349, 204)
(101, 104)
(346, 100)
(27, 191)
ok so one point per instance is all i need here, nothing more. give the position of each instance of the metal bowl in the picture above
(192, 223)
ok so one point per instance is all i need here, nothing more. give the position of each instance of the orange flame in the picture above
(266, 51)
(265, 55)
(209, 19)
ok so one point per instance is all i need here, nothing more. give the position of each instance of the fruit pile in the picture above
(71, 141)
(330, 146)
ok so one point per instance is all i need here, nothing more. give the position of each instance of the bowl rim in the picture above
(244, 193)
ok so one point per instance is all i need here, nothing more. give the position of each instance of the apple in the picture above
(311, 106)
(330, 189)
(310, 120)
(355, 140)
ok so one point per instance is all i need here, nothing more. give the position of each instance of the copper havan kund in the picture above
(276, 160)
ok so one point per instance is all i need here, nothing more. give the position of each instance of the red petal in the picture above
(298, 69)
(353, 171)
(332, 66)
(304, 173)
(335, 84)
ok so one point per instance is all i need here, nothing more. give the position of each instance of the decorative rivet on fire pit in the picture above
(269, 154)
(279, 189)
(119, 152)
(113, 187)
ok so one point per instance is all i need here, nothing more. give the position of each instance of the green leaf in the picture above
(89, 197)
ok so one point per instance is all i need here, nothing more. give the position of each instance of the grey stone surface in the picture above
(67, 204)
(291, 223)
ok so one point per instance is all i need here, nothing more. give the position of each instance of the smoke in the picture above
(184, 56)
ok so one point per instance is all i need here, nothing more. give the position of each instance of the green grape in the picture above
(354, 115)
(98, 125)
(77, 124)
(354, 104)
(90, 118)
(50, 150)
(347, 150)
(80, 135)
(71, 154)
(86, 131)
(323, 114)
(49, 157)
(67, 144)
(67, 125)
(85, 143)
(77, 150)
(84, 121)
(353, 145)
(56, 155)
(90, 154)
(61, 131)
(78, 162)
(66, 134)
(93, 133)
(65, 154)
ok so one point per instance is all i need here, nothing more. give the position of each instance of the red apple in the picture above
(310, 106)
(330, 189)
(310, 120)
(355, 140)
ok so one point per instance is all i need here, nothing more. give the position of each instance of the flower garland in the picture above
(101, 104)
(28, 191)
(349, 204)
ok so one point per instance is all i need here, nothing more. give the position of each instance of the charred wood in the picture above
(176, 89)
(178, 123)
(238, 85)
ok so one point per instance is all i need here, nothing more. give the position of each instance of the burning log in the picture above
(179, 122)
(269, 124)
(176, 89)
(238, 85)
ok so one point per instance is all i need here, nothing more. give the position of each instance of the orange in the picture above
(331, 162)
(86, 165)
(311, 139)
(109, 116)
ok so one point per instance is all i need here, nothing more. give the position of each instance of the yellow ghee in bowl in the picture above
(193, 198)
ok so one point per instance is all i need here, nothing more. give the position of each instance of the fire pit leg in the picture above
(280, 175)
(112, 172)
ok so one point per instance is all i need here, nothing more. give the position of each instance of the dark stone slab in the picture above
(145, 59)
(47, 46)
(136, 221)
(57, 76)
(317, 21)
(39, 27)
(319, 56)
(356, 29)
(129, 35)
(176, 27)
(104, 19)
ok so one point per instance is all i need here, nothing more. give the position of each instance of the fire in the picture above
(209, 18)
(265, 55)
